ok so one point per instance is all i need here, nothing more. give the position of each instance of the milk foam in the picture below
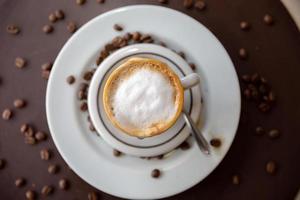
(144, 98)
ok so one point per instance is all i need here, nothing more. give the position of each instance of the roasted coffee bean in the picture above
(53, 169)
(263, 80)
(99, 60)
(117, 153)
(45, 74)
(247, 93)
(162, 44)
(118, 42)
(236, 179)
(88, 75)
(45, 154)
(110, 47)
(13, 29)
(193, 66)
(246, 78)
(254, 94)
(163, 1)
(200, 5)
(263, 89)
(46, 66)
(52, 18)
(255, 78)
(80, 2)
(128, 36)
(30, 140)
(19, 103)
(181, 54)
(259, 130)
(92, 127)
(29, 132)
(24, 128)
(149, 40)
(264, 107)
(188, 3)
(30, 195)
(63, 184)
(136, 36)
(118, 27)
(70, 79)
(71, 27)
(184, 146)
(274, 133)
(268, 19)
(39, 136)
(104, 53)
(19, 182)
(243, 53)
(82, 95)
(245, 26)
(271, 167)
(155, 173)
(59, 14)
(7, 114)
(47, 28)
(215, 142)
(100, 1)
(251, 86)
(83, 106)
(83, 86)
(2, 163)
(92, 196)
(20, 62)
(145, 37)
(46, 190)
(271, 97)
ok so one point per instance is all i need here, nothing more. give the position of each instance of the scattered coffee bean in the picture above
(92, 127)
(83, 106)
(53, 169)
(30, 140)
(271, 167)
(259, 130)
(215, 142)
(80, 2)
(193, 66)
(271, 97)
(255, 78)
(71, 27)
(2, 163)
(243, 53)
(29, 132)
(24, 128)
(117, 153)
(274, 133)
(246, 78)
(20, 62)
(45, 154)
(88, 75)
(245, 26)
(40, 136)
(247, 93)
(82, 95)
(163, 1)
(236, 179)
(46, 190)
(181, 54)
(7, 114)
(118, 27)
(59, 14)
(127, 36)
(30, 195)
(184, 146)
(70, 79)
(45, 74)
(136, 36)
(19, 182)
(19, 103)
(162, 44)
(13, 29)
(263, 89)
(47, 28)
(264, 107)
(155, 173)
(200, 5)
(63, 184)
(100, 1)
(268, 19)
(46, 66)
(92, 196)
(83, 86)
(145, 37)
(52, 18)
(188, 3)
(117, 43)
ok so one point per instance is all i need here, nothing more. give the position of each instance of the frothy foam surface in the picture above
(143, 99)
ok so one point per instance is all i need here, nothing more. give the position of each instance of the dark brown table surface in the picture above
(274, 52)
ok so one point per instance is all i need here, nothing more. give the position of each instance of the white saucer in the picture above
(127, 176)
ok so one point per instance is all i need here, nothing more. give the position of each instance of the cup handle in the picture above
(190, 80)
